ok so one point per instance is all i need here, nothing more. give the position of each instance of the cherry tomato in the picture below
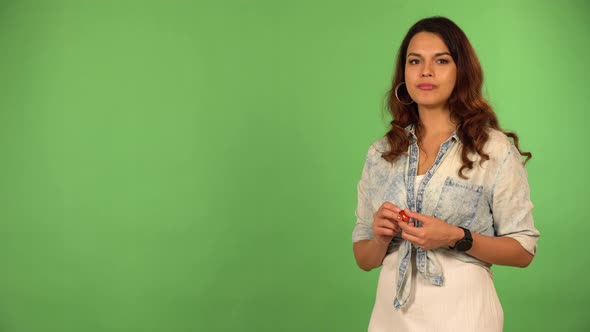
(404, 216)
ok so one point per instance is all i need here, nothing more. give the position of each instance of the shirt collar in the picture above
(410, 130)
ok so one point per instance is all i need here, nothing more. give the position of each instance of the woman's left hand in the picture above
(433, 233)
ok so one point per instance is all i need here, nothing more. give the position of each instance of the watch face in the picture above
(463, 245)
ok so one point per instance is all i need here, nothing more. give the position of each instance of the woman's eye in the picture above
(412, 61)
(442, 61)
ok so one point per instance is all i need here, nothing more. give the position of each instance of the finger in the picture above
(401, 223)
(412, 238)
(384, 231)
(387, 214)
(417, 216)
(385, 223)
(391, 206)
(395, 228)
(409, 228)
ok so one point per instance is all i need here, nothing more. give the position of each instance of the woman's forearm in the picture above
(499, 250)
(369, 254)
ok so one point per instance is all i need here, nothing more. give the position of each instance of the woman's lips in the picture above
(425, 86)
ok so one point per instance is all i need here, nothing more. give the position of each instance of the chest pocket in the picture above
(458, 202)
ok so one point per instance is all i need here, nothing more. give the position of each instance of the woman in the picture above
(445, 165)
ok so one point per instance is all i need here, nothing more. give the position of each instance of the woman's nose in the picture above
(426, 71)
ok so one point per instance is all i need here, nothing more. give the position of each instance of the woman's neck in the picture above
(436, 122)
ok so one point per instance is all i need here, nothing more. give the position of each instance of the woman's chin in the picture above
(430, 104)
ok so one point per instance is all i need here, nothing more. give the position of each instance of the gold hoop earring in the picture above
(397, 97)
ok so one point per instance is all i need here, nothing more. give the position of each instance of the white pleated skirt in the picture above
(466, 302)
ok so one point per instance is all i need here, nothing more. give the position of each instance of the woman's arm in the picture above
(494, 250)
(499, 250)
(369, 253)
(436, 233)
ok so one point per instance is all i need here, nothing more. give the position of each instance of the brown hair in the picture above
(466, 103)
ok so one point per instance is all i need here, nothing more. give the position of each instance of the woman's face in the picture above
(430, 70)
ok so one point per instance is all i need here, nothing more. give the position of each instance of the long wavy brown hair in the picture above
(467, 105)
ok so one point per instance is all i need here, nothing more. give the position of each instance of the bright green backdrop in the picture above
(192, 165)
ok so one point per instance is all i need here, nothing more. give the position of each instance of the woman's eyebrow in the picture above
(436, 54)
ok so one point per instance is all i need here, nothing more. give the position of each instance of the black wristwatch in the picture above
(465, 243)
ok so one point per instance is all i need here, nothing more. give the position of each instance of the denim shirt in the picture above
(494, 200)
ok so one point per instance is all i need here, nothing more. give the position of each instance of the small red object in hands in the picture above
(404, 217)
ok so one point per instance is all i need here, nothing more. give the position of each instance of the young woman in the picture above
(444, 195)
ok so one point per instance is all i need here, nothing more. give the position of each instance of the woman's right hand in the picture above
(385, 223)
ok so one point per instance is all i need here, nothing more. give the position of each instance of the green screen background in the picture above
(192, 165)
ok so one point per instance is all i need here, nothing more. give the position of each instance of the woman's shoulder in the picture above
(499, 145)
(497, 141)
(376, 151)
(380, 146)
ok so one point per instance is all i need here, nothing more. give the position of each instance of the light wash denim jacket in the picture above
(494, 200)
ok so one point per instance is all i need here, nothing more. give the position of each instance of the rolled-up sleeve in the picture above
(363, 229)
(512, 208)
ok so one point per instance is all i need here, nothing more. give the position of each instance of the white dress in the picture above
(466, 302)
